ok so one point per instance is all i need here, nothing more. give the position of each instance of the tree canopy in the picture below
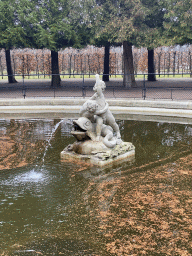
(12, 33)
(56, 24)
(59, 23)
(178, 22)
(120, 20)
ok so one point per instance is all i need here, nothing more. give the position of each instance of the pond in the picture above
(51, 207)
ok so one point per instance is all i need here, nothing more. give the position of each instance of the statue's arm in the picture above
(93, 97)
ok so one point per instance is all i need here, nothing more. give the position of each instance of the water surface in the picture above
(50, 207)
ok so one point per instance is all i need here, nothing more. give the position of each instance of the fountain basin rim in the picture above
(116, 110)
(73, 101)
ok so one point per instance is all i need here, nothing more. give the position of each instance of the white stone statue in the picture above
(97, 110)
(97, 133)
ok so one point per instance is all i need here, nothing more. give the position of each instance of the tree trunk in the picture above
(56, 81)
(151, 65)
(106, 63)
(11, 78)
(129, 78)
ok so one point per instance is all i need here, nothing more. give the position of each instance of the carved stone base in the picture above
(98, 154)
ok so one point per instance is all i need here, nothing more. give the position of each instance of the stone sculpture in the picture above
(97, 133)
(103, 114)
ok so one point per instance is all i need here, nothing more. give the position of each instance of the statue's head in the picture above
(92, 106)
(84, 123)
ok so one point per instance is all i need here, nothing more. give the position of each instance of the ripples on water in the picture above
(32, 176)
(50, 207)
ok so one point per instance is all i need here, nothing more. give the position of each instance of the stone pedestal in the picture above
(96, 153)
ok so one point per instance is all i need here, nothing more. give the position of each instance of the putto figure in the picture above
(97, 110)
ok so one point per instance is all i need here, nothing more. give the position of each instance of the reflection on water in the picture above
(58, 208)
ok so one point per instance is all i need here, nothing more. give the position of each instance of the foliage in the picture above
(12, 33)
(60, 23)
(178, 23)
(120, 21)
(51, 24)
(143, 22)
(154, 19)
(56, 24)
(27, 19)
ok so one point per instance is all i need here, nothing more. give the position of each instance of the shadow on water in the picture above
(49, 207)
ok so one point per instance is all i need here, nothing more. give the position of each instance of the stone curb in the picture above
(112, 102)
(117, 106)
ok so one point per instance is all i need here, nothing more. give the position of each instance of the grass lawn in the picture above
(87, 76)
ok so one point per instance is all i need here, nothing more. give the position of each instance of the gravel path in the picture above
(170, 88)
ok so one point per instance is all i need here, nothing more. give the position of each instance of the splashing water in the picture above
(31, 176)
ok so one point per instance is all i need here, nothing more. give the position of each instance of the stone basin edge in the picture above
(117, 106)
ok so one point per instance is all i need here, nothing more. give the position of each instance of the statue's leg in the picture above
(99, 122)
(111, 121)
(116, 129)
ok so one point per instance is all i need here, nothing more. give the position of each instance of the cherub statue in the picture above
(103, 113)
(90, 110)
(98, 139)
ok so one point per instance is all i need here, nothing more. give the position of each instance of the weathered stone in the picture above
(88, 146)
(100, 156)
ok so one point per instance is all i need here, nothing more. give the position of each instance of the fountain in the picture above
(98, 136)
